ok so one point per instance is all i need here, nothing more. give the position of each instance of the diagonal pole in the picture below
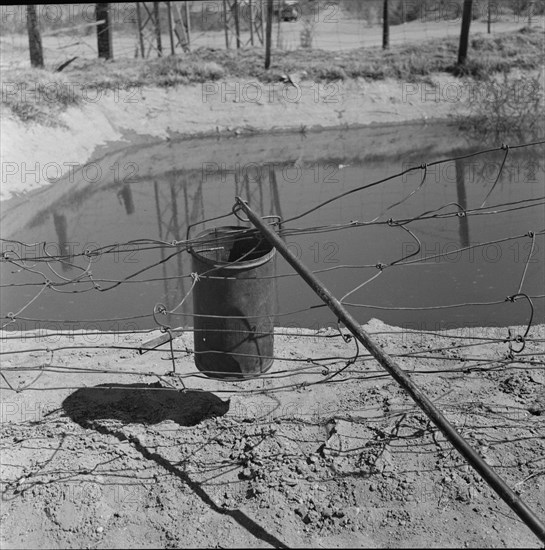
(401, 377)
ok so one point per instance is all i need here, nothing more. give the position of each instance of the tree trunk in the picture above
(34, 38)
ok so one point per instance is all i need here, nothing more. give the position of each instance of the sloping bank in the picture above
(34, 155)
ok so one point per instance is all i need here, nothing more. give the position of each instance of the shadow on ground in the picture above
(151, 404)
(143, 404)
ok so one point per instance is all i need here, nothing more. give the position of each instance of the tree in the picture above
(268, 34)
(464, 35)
(104, 31)
(34, 37)
(385, 26)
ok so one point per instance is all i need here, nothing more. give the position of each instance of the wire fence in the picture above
(51, 364)
(174, 322)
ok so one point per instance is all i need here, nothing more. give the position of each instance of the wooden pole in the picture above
(140, 36)
(188, 24)
(385, 25)
(489, 17)
(268, 34)
(278, 35)
(34, 37)
(104, 31)
(237, 22)
(464, 34)
(170, 31)
(251, 16)
(262, 20)
(225, 24)
(157, 29)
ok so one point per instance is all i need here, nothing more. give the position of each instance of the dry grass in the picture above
(488, 55)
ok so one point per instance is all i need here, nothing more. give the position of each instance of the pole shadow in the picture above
(151, 404)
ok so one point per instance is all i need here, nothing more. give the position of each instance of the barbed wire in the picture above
(327, 367)
(187, 244)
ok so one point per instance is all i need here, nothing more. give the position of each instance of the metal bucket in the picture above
(233, 304)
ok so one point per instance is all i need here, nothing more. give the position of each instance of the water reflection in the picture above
(125, 196)
(462, 201)
(168, 188)
(59, 220)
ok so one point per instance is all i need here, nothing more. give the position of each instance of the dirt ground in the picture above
(102, 448)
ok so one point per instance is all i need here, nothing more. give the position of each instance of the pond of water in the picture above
(158, 191)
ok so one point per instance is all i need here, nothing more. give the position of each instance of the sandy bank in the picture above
(33, 154)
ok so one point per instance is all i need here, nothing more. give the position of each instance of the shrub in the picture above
(512, 105)
(37, 95)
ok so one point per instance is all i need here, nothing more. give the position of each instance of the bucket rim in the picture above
(230, 266)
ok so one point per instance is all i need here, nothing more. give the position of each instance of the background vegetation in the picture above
(206, 16)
